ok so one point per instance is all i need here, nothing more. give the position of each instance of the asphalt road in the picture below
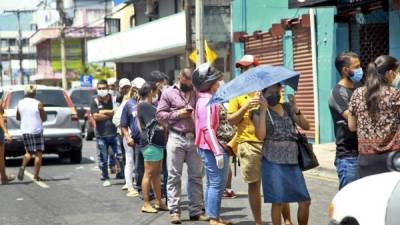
(73, 194)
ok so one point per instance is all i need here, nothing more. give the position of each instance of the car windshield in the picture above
(49, 98)
(82, 97)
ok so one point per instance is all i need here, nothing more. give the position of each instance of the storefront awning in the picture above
(52, 76)
(337, 3)
(70, 32)
(151, 41)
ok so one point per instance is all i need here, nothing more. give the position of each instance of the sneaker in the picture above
(201, 217)
(149, 209)
(107, 183)
(132, 193)
(125, 187)
(175, 218)
(229, 194)
(21, 173)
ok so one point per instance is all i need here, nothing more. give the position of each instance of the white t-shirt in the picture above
(31, 123)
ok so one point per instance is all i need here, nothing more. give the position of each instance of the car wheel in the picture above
(89, 132)
(75, 155)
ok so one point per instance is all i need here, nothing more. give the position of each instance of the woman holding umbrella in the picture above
(282, 178)
(215, 159)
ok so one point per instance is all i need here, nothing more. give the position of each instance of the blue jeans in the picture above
(347, 169)
(215, 182)
(103, 143)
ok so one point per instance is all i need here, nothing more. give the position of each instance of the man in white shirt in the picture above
(32, 115)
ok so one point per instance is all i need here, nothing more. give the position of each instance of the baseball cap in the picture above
(124, 82)
(247, 60)
(138, 82)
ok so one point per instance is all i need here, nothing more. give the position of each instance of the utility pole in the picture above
(19, 41)
(60, 9)
(188, 18)
(199, 31)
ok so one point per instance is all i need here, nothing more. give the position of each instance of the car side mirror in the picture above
(393, 161)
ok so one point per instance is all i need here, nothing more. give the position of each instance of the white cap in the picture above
(111, 81)
(124, 82)
(138, 82)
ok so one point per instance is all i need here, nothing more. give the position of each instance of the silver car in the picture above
(61, 130)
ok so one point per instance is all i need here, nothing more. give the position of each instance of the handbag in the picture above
(306, 156)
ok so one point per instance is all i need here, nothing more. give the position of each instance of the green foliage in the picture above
(98, 72)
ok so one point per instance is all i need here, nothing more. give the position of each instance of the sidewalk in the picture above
(326, 156)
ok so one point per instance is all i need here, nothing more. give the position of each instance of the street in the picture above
(73, 194)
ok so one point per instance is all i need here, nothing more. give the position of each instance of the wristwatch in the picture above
(298, 113)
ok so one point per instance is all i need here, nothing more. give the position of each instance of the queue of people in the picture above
(365, 109)
(158, 128)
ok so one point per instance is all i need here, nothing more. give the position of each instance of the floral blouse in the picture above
(383, 133)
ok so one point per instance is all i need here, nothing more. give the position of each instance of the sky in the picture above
(17, 4)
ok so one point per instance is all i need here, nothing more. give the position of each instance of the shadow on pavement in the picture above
(48, 160)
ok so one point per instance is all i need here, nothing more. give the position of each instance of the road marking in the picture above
(40, 183)
(20, 199)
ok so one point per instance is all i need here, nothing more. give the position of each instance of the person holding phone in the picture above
(175, 109)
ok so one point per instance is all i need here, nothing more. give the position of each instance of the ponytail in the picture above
(376, 80)
(374, 83)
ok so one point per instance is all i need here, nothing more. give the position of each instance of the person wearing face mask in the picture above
(175, 109)
(248, 145)
(106, 132)
(282, 178)
(374, 112)
(161, 80)
(215, 159)
(349, 67)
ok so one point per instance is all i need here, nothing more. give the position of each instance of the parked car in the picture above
(372, 200)
(82, 97)
(61, 130)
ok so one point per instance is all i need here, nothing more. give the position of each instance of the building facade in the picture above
(157, 40)
(306, 37)
(9, 49)
(87, 22)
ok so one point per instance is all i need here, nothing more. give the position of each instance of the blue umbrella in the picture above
(255, 79)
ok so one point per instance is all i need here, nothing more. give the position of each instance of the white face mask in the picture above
(102, 93)
(112, 92)
(396, 81)
(221, 83)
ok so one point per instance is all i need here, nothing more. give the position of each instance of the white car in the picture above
(373, 200)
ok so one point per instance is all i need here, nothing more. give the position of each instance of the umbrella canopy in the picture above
(255, 79)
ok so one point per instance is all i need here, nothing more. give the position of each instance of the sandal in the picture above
(216, 222)
(8, 179)
(161, 208)
(149, 209)
(225, 222)
(38, 179)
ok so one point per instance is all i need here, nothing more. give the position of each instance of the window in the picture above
(49, 98)
(82, 97)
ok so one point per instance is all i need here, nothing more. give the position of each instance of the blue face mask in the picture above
(356, 75)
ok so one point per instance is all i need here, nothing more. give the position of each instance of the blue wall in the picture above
(251, 15)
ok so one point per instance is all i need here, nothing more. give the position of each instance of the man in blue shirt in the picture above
(131, 135)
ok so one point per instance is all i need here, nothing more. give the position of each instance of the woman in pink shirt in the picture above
(215, 159)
